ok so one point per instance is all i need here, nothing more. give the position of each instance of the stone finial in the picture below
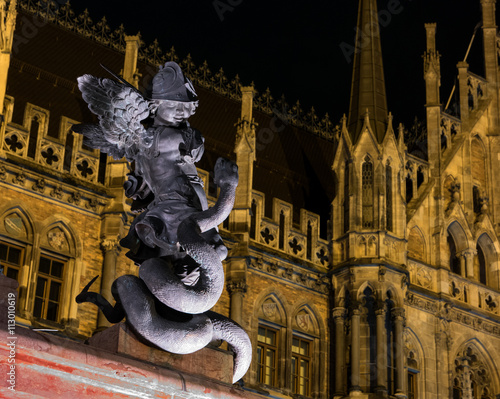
(130, 71)
(430, 30)
(488, 8)
(390, 119)
(247, 95)
(7, 27)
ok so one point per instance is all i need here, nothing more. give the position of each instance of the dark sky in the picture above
(294, 47)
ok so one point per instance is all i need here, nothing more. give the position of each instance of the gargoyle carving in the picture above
(174, 240)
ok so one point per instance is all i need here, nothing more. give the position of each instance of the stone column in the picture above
(463, 69)
(339, 320)
(110, 249)
(398, 315)
(469, 264)
(442, 364)
(245, 158)
(463, 268)
(130, 72)
(467, 383)
(381, 348)
(8, 24)
(432, 76)
(7, 27)
(491, 60)
(237, 290)
(355, 350)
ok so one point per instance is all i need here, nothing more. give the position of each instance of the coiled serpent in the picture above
(174, 316)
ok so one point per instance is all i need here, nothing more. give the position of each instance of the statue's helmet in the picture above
(171, 84)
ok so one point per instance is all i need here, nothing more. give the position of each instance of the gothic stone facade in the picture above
(395, 292)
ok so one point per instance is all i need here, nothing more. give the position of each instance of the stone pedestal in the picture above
(114, 366)
(208, 362)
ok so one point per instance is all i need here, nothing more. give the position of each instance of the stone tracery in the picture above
(471, 376)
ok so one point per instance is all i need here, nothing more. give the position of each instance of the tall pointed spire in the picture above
(368, 84)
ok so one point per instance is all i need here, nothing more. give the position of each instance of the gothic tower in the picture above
(8, 23)
(369, 230)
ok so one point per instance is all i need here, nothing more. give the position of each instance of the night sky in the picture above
(295, 47)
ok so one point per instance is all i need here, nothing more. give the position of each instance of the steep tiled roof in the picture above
(293, 156)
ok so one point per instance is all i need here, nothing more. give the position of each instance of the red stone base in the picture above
(114, 365)
(48, 366)
(207, 362)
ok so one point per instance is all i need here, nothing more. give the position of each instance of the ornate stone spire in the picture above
(368, 84)
(7, 27)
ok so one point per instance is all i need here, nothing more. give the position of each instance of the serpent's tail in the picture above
(231, 332)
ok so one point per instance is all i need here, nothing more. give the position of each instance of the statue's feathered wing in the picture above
(120, 109)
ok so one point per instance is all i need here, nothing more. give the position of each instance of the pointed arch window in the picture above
(367, 192)
(388, 197)
(11, 259)
(476, 199)
(49, 284)
(457, 244)
(287, 350)
(44, 265)
(486, 261)
(481, 260)
(306, 367)
(413, 371)
(409, 189)
(346, 197)
(267, 355)
(301, 366)
(471, 375)
(454, 260)
(478, 170)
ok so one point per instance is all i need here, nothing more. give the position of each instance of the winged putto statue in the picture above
(174, 240)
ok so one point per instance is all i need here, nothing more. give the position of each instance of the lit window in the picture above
(412, 385)
(11, 258)
(301, 366)
(267, 349)
(48, 289)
